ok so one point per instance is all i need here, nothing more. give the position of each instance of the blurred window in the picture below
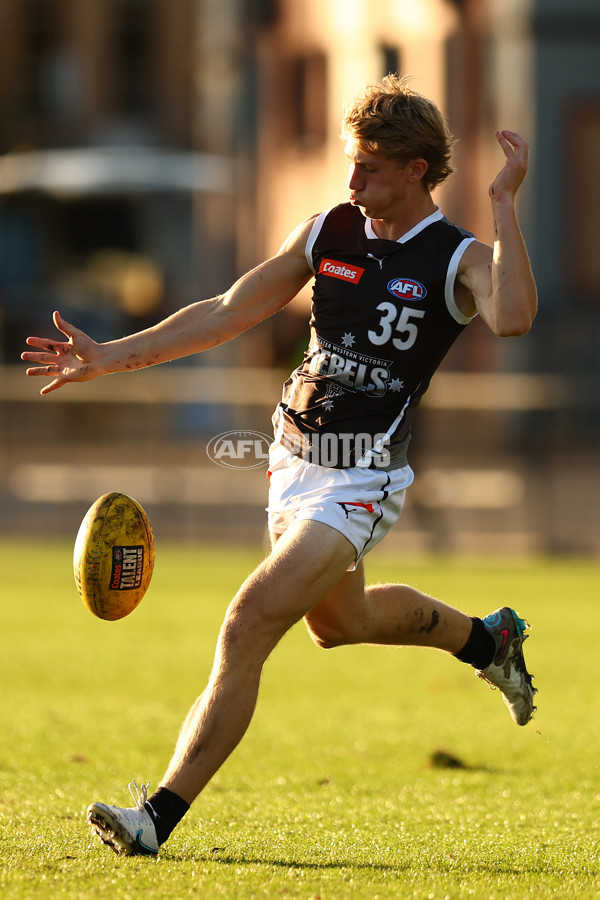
(309, 99)
(133, 44)
(582, 220)
(41, 38)
(91, 224)
(390, 59)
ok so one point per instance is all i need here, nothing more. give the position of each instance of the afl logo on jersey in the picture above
(407, 289)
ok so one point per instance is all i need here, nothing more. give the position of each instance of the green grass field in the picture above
(333, 793)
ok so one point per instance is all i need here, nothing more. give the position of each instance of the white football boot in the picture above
(129, 831)
(508, 671)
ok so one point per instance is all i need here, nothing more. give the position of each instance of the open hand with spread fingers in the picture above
(76, 359)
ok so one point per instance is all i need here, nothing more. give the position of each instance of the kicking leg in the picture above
(401, 615)
(385, 614)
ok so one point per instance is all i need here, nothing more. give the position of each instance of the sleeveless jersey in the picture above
(383, 317)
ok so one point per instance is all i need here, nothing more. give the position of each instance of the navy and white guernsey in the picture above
(383, 318)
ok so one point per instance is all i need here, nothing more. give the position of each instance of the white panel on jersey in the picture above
(451, 278)
(312, 237)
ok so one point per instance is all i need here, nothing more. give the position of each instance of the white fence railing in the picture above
(262, 387)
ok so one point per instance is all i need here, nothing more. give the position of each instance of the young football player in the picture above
(394, 284)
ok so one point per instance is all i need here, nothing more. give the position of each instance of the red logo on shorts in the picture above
(340, 270)
(368, 506)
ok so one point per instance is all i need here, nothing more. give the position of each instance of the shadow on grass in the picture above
(288, 864)
(457, 867)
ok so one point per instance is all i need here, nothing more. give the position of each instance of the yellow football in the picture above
(113, 558)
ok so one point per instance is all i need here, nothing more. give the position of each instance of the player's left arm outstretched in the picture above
(498, 282)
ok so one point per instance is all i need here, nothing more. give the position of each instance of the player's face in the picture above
(377, 183)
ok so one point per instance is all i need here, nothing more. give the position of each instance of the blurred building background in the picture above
(153, 150)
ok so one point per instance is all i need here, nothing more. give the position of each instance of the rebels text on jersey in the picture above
(383, 318)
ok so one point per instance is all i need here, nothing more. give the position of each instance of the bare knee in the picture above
(328, 634)
(342, 617)
(252, 626)
(247, 633)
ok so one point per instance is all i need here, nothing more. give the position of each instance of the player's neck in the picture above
(404, 219)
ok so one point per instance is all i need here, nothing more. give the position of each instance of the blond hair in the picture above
(391, 119)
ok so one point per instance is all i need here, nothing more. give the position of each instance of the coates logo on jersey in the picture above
(407, 289)
(341, 270)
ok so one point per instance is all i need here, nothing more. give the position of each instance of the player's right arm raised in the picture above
(199, 326)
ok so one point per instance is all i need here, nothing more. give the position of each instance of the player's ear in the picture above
(417, 169)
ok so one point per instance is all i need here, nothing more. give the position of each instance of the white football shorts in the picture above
(362, 504)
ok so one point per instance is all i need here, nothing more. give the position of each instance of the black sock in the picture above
(480, 648)
(166, 809)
